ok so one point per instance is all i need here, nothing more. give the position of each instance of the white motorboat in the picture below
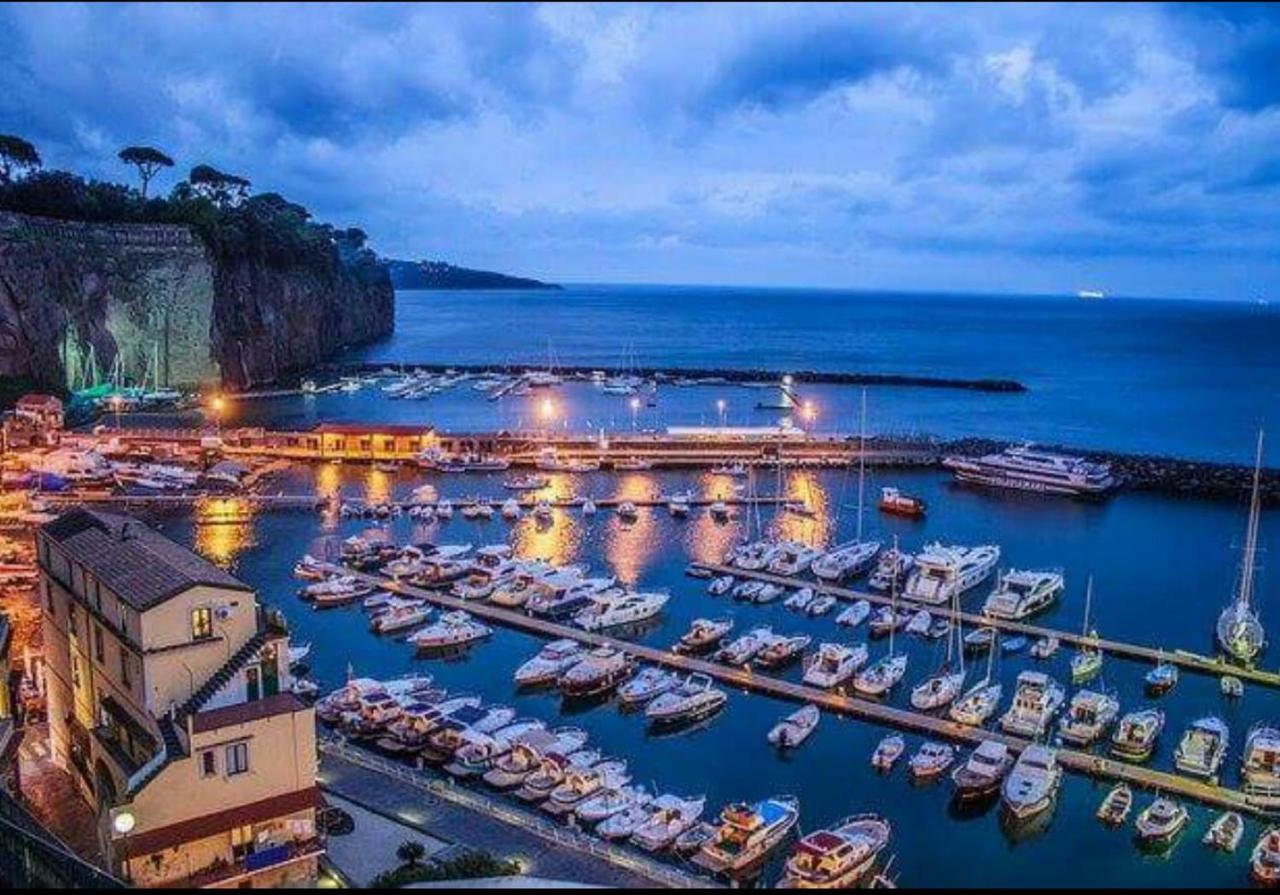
(1088, 717)
(794, 729)
(834, 665)
(399, 616)
(452, 629)
(755, 556)
(782, 650)
(790, 558)
(1035, 702)
(609, 611)
(624, 823)
(611, 802)
(551, 661)
(1032, 785)
(597, 673)
(695, 700)
(943, 572)
(648, 684)
(982, 772)
(1203, 747)
(882, 676)
(920, 623)
(704, 634)
(1135, 736)
(581, 784)
(888, 751)
(1161, 821)
(821, 605)
(1020, 594)
(931, 760)
(720, 586)
(627, 511)
(767, 593)
(511, 509)
(839, 857)
(1026, 469)
(742, 649)
(854, 615)
(846, 560)
(1239, 629)
(1225, 832)
(748, 833)
(1260, 769)
(800, 600)
(672, 816)
(478, 754)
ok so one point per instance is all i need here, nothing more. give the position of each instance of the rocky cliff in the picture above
(155, 301)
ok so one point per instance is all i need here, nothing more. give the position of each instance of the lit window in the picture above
(237, 759)
(201, 623)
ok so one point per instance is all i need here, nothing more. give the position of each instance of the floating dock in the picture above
(749, 681)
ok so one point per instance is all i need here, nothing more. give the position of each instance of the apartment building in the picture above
(169, 703)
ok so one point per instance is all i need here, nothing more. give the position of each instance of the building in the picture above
(169, 703)
(35, 421)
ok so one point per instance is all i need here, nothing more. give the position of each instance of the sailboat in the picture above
(1087, 661)
(884, 674)
(854, 557)
(1240, 632)
(981, 700)
(943, 687)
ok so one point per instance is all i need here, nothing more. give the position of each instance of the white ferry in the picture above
(1026, 469)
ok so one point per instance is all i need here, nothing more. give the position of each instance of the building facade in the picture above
(169, 703)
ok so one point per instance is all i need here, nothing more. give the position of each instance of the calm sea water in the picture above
(1186, 378)
(1177, 378)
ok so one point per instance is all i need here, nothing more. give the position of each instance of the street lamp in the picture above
(635, 408)
(116, 402)
(218, 404)
(809, 412)
(720, 406)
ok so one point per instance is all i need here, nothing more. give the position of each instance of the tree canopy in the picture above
(148, 160)
(16, 154)
(222, 188)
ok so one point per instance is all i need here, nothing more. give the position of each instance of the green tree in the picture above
(16, 154)
(224, 189)
(411, 852)
(148, 160)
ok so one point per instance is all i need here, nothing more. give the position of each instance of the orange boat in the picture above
(894, 501)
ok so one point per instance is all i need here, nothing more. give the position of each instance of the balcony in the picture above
(223, 874)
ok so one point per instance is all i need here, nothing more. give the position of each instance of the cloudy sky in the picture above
(978, 148)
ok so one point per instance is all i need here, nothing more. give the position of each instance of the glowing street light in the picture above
(720, 406)
(116, 403)
(635, 409)
(809, 412)
(218, 403)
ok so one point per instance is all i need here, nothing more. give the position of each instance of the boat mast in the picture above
(862, 460)
(1251, 532)
(893, 601)
(1088, 600)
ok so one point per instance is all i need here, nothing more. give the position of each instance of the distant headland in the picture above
(441, 275)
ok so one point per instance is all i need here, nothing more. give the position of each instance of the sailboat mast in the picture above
(1088, 601)
(1251, 532)
(862, 460)
(893, 601)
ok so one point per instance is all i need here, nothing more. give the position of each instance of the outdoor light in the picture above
(635, 403)
(548, 408)
(809, 411)
(123, 823)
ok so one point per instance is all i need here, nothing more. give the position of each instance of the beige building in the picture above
(169, 703)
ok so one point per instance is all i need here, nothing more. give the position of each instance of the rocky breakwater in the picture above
(1144, 472)
(168, 305)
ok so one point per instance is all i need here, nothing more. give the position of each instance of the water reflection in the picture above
(224, 528)
(378, 485)
(813, 526)
(707, 539)
(630, 545)
(558, 541)
(328, 484)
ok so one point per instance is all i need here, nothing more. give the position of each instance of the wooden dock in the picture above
(1180, 657)
(748, 680)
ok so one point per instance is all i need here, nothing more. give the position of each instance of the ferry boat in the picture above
(672, 816)
(845, 561)
(1239, 630)
(1035, 702)
(1225, 832)
(1021, 594)
(1161, 821)
(1203, 747)
(983, 771)
(694, 700)
(839, 857)
(834, 665)
(1116, 804)
(782, 651)
(648, 684)
(748, 833)
(943, 572)
(599, 672)
(1088, 717)
(551, 661)
(453, 629)
(625, 609)
(897, 503)
(1032, 784)
(1260, 770)
(931, 760)
(1136, 734)
(704, 634)
(1264, 863)
(891, 570)
(1026, 469)
(794, 729)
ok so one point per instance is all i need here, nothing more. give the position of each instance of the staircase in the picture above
(222, 676)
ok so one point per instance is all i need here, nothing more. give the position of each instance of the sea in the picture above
(1165, 377)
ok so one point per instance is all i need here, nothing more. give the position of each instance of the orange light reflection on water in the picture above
(629, 547)
(224, 528)
(558, 541)
(803, 486)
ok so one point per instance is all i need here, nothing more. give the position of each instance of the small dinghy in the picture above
(931, 761)
(794, 729)
(888, 752)
(1115, 807)
(1232, 687)
(1161, 679)
(981, 640)
(854, 615)
(1264, 863)
(1011, 645)
(821, 605)
(1225, 832)
(1045, 648)
(1161, 821)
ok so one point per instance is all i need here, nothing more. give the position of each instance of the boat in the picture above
(746, 591)
(981, 774)
(888, 751)
(1035, 702)
(550, 772)
(1239, 630)
(782, 651)
(1260, 769)
(558, 599)
(583, 783)
(672, 816)
(1087, 661)
(1116, 804)
(734, 470)
(526, 755)
(881, 676)
(399, 616)
(839, 857)
(920, 623)
(623, 824)
(1032, 784)
(794, 729)
(1225, 832)
(1025, 469)
(886, 619)
(742, 649)
(478, 754)
(627, 511)
(834, 664)
(311, 569)
(1264, 862)
(599, 672)
(945, 685)
(1136, 734)
(1203, 748)
(1089, 715)
(854, 615)
(719, 511)
(891, 570)
(1020, 594)
(1045, 648)
(1232, 687)
(610, 802)
(588, 507)
(981, 640)
(1162, 678)
(845, 561)
(941, 572)
(800, 600)
(791, 558)
(632, 464)
(931, 760)
(704, 634)
(755, 556)
(298, 654)
(551, 661)
(898, 503)
(748, 833)
(611, 610)
(694, 700)
(348, 697)
(646, 685)
(1015, 644)
(452, 629)
(692, 839)
(980, 701)
(767, 593)
(511, 509)
(1161, 821)
(529, 481)
(721, 586)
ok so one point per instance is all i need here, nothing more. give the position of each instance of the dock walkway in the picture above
(852, 706)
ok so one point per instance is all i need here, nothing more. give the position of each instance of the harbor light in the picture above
(720, 407)
(547, 409)
(809, 412)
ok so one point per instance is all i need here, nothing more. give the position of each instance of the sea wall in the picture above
(75, 296)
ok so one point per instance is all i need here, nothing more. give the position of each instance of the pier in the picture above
(747, 680)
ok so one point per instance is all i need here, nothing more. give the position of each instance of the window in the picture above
(237, 759)
(99, 651)
(208, 763)
(201, 623)
(125, 677)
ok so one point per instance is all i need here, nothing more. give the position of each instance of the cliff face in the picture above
(78, 299)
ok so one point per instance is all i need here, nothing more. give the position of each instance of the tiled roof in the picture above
(134, 560)
(219, 822)
(244, 712)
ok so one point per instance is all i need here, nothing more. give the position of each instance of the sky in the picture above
(1020, 149)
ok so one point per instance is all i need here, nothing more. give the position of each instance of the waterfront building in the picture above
(169, 705)
(35, 421)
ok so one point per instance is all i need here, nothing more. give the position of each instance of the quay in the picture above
(1180, 657)
(185, 499)
(748, 680)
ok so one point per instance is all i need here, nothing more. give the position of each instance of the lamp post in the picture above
(720, 407)
(218, 403)
(635, 409)
(547, 411)
(116, 402)
(808, 412)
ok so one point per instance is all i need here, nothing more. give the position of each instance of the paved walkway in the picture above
(51, 795)
(456, 824)
(370, 848)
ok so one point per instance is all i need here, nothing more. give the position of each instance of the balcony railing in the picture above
(223, 873)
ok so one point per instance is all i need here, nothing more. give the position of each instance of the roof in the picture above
(36, 401)
(371, 429)
(207, 825)
(245, 712)
(134, 560)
